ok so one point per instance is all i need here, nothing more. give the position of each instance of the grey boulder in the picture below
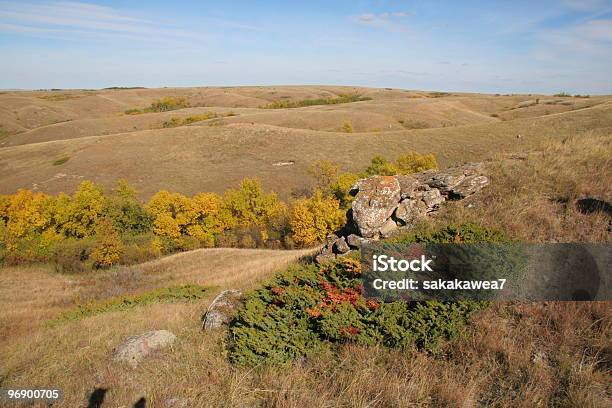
(374, 203)
(222, 309)
(135, 348)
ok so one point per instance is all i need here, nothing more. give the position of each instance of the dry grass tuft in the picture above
(532, 196)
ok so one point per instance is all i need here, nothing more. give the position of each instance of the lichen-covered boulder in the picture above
(135, 348)
(432, 198)
(453, 177)
(409, 211)
(470, 185)
(374, 203)
(409, 185)
(222, 309)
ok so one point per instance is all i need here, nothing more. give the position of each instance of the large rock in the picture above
(409, 185)
(409, 211)
(222, 309)
(374, 203)
(135, 348)
(470, 185)
(432, 198)
(447, 180)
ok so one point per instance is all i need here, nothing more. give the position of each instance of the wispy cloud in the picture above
(591, 37)
(388, 20)
(82, 19)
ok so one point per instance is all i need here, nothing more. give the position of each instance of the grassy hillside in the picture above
(103, 144)
(512, 354)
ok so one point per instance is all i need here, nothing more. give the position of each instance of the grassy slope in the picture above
(201, 157)
(545, 354)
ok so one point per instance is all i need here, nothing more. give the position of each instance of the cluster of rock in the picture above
(386, 205)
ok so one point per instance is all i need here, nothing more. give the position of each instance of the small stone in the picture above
(340, 246)
(135, 348)
(331, 239)
(355, 241)
(388, 228)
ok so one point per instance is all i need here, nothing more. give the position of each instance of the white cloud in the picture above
(83, 20)
(586, 5)
(385, 20)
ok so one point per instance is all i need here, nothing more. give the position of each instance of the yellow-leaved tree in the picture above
(312, 219)
(413, 162)
(78, 215)
(201, 217)
(172, 213)
(108, 248)
(249, 205)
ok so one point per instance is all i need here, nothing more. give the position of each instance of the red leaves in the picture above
(335, 297)
(349, 331)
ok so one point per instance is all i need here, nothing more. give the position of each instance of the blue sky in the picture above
(486, 46)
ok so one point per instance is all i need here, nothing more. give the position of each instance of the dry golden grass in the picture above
(74, 355)
(550, 354)
(106, 145)
(196, 158)
(532, 196)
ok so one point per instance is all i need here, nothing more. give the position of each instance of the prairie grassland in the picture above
(105, 145)
(549, 354)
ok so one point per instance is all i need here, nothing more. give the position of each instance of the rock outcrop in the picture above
(386, 205)
(222, 309)
(135, 348)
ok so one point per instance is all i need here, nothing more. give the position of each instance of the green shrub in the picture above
(347, 127)
(189, 292)
(408, 163)
(127, 212)
(413, 162)
(310, 306)
(167, 104)
(381, 166)
(319, 101)
(161, 105)
(176, 121)
(562, 95)
(61, 161)
(72, 256)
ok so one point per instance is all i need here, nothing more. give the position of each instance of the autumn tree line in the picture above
(91, 228)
